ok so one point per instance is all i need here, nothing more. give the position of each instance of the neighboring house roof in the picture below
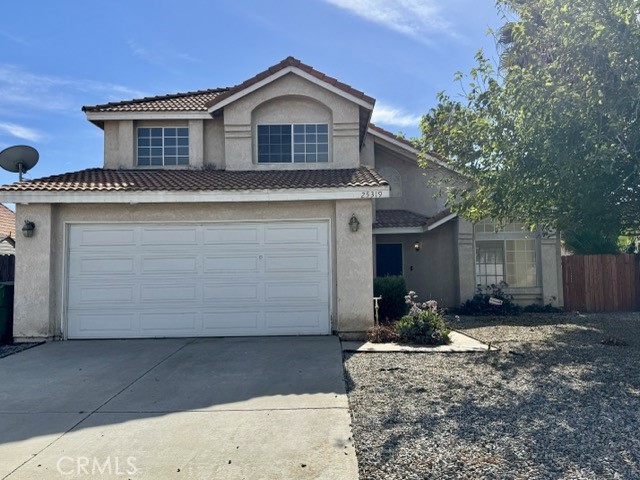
(405, 221)
(7, 222)
(106, 180)
(182, 102)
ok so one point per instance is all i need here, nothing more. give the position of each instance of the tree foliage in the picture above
(550, 135)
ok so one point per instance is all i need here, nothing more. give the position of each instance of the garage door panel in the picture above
(101, 294)
(169, 293)
(88, 265)
(295, 234)
(304, 320)
(198, 280)
(238, 323)
(169, 264)
(231, 263)
(169, 236)
(295, 262)
(106, 324)
(230, 292)
(102, 237)
(232, 235)
(309, 291)
(170, 324)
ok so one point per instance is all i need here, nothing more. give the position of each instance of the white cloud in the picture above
(49, 92)
(164, 56)
(20, 131)
(385, 114)
(416, 18)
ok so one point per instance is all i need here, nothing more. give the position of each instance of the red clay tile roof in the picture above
(182, 102)
(292, 62)
(406, 219)
(201, 100)
(7, 222)
(100, 180)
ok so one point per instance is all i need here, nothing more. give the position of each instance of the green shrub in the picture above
(382, 334)
(423, 324)
(392, 289)
(537, 308)
(490, 300)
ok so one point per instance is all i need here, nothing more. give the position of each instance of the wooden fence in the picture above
(601, 283)
(7, 268)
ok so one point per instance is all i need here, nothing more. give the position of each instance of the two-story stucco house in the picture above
(261, 209)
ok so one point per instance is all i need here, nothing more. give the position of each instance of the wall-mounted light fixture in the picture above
(416, 246)
(354, 223)
(28, 229)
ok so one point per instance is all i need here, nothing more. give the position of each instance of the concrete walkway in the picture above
(460, 343)
(238, 408)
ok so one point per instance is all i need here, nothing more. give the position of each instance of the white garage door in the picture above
(127, 281)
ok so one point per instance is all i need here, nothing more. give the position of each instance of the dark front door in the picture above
(388, 259)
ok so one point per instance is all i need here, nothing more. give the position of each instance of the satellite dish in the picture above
(19, 159)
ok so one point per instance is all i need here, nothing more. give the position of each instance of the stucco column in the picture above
(33, 303)
(551, 266)
(196, 143)
(466, 260)
(354, 268)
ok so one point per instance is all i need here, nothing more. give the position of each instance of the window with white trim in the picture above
(160, 146)
(489, 263)
(508, 255)
(293, 143)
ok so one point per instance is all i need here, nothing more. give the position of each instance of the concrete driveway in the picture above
(227, 408)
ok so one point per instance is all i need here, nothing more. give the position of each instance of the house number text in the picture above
(371, 194)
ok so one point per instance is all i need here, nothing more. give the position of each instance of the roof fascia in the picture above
(175, 115)
(276, 195)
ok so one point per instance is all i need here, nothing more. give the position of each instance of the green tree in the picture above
(550, 133)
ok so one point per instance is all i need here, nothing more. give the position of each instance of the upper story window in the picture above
(163, 146)
(293, 143)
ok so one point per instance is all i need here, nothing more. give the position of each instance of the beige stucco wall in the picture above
(214, 143)
(206, 142)
(466, 258)
(40, 260)
(119, 144)
(417, 192)
(290, 97)
(431, 272)
(35, 284)
(354, 268)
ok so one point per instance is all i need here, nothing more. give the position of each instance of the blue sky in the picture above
(56, 57)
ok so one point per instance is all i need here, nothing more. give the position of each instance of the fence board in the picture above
(601, 283)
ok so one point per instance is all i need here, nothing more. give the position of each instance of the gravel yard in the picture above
(559, 399)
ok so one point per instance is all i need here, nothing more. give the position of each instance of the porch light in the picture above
(354, 223)
(416, 246)
(28, 229)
